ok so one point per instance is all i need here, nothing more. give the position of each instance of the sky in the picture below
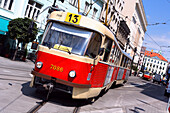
(157, 36)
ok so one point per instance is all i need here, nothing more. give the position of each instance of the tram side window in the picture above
(112, 53)
(126, 62)
(129, 64)
(107, 45)
(119, 55)
(116, 55)
(123, 61)
(94, 46)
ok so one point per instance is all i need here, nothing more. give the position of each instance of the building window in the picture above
(33, 9)
(163, 68)
(120, 5)
(150, 65)
(155, 61)
(164, 63)
(148, 59)
(151, 60)
(147, 64)
(6, 4)
(158, 62)
(154, 65)
(74, 2)
(86, 7)
(121, 8)
(161, 63)
(118, 1)
(94, 12)
(134, 20)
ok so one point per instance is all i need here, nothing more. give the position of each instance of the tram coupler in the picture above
(49, 87)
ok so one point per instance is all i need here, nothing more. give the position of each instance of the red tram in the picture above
(80, 56)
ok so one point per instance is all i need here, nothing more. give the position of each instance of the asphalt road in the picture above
(136, 96)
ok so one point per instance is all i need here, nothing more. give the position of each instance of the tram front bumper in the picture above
(78, 91)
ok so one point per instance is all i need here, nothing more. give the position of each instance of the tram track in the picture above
(37, 107)
(14, 77)
(76, 110)
(20, 75)
(17, 69)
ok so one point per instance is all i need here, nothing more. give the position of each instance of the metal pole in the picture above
(78, 6)
(106, 12)
(54, 3)
(135, 49)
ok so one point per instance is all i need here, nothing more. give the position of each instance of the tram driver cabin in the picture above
(80, 56)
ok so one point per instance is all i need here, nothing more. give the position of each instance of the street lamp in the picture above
(135, 50)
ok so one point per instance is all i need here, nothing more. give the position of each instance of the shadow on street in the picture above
(56, 97)
(152, 90)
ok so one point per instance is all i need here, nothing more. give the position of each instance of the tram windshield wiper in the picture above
(68, 51)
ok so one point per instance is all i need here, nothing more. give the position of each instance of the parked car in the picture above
(157, 78)
(164, 79)
(140, 74)
(147, 75)
(167, 88)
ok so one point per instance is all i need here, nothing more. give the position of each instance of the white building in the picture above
(11, 9)
(155, 63)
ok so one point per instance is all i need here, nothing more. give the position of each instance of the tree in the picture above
(22, 29)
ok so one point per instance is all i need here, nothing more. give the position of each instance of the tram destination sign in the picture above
(73, 18)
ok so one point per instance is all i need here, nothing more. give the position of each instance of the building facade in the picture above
(111, 17)
(155, 63)
(134, 15)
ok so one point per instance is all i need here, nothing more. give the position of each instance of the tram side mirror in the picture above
(101, 51)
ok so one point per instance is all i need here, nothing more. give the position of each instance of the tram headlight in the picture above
(72, 74)
(39, 65)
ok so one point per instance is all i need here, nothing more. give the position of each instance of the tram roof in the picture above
(87, 23)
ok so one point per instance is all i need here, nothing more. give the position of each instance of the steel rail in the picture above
(15, 80)
(37, 107)
(41, 104)
(76, 110)
(7, 67)
(15, 75)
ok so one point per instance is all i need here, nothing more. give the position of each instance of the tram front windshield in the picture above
(66, 38)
